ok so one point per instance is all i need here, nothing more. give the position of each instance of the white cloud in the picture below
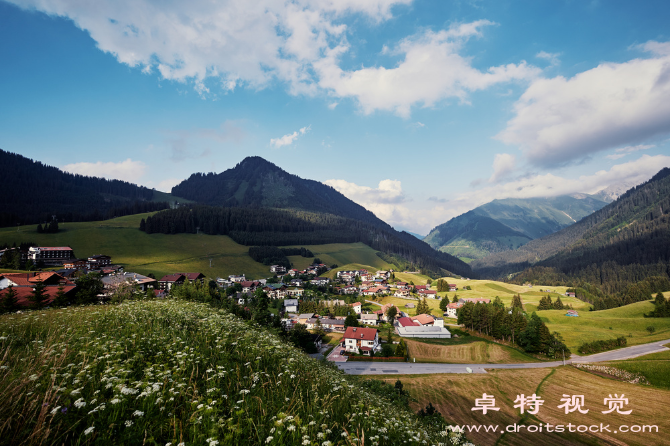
(432, 70)
(167, 184)
(503, 165)
(127, 170)
(386, 200)
(332, 105)
(561, 120)
(235, 42)
(552, 58)
(658, 48)
(620, 153)
(287, 140)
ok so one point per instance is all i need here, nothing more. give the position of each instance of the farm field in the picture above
(454, 396)
(162, 254)
(477, 351)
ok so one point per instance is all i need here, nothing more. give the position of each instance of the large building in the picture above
(361, 340)
(50, 255)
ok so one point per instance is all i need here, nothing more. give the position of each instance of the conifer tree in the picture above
(61, 299)
(9, 302)
(39, 296)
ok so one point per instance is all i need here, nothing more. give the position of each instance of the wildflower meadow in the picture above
(176, 373)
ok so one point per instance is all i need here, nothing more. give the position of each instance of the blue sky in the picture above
(418, 110)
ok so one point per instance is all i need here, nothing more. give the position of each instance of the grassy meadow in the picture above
(454, 396)
(162, 254)
(468, 350)
(173, 372)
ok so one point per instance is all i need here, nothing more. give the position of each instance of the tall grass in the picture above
(176, 372)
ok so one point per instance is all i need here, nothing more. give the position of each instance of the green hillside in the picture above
(161, 254)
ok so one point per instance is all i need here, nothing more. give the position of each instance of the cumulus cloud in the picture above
(234, 43)
(127, 170)
(287, 140)
(503, 165)
(167, 184)
(562, 120)
(620, 153)
(432, 70)
(386, 200)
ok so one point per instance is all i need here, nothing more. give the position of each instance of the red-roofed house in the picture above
(170, 280)
(428, 293)
(452, 309)
(361, 340)
(407, 322)
(357, 307)
(424, 319)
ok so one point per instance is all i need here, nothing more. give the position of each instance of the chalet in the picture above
(403, 293)
(475, 300)
(432, 294)
(291, 305)
(357, 307)
(249, 286)
(297, 282)
(423, 319)
(235, 279)
(176, 279)
(452, 309)
(142, 282)
(97, 262)
(375, 291)
(348, 290)
(453, 287)
(418, 288)
(570, 294)
(361, 340)
(383, 274)
(320, 281)
(402, 285)
(294, 292)
(50, 255)
(369, 319)
(23, 283)
(384, 309)
(278, 269)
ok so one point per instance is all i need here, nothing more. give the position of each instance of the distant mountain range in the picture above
(33, 193)
(507, 224)
(624, 242)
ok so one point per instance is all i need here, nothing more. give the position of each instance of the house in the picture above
(235, 279)
(23, 284)
(294, 292)
(50, 255)
(142, 282)
(406, 322)
(383, 274)
(278, 269)
(348, 290)
(418, 288)
(249, 286)
(302, 318)
(291, 305)
(402, 285)
(432, 294)
(369, 319)
(332, 324)
(423, 319)
(297, 282)
(475, 300)
(570, 294)
(374, 291)
(572, 313)
(453, 287)
(403, 293)
(361, 340)
(357, 307)
(75, 264)
(293, 272)
(320, 281)
(426, 331)
(383, 311)
(96, 262)
(452, 309)
(168, 281)
(333, 302)
(439, 322)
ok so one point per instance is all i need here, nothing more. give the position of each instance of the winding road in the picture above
(409, 368)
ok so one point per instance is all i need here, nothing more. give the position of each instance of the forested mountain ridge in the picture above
(284, 227)
(629, 237)
(33, 192)
(507, 224)
(257, 183)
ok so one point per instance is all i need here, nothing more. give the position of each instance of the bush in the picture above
(600, 346)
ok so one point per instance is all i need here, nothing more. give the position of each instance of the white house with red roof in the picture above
(361, 340)
(432, 294)
(357, 307)
(452, 309)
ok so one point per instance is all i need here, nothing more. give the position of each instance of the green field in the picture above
(161, 254)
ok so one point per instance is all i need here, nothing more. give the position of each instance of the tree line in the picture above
(275, 227)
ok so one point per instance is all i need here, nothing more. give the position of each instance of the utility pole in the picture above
(563, 356)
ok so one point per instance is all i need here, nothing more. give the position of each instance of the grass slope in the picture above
(454, 397)
(161, 254)
(157, 372)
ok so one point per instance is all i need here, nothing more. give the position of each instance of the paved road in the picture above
(407, 368)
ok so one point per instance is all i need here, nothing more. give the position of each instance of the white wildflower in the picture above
(89, 430)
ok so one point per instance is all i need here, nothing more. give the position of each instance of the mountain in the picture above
(611, 193)
(624, 242)
(33, 192)
(507, 224)
(311, 212)
(420, 237)
(257, 183)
